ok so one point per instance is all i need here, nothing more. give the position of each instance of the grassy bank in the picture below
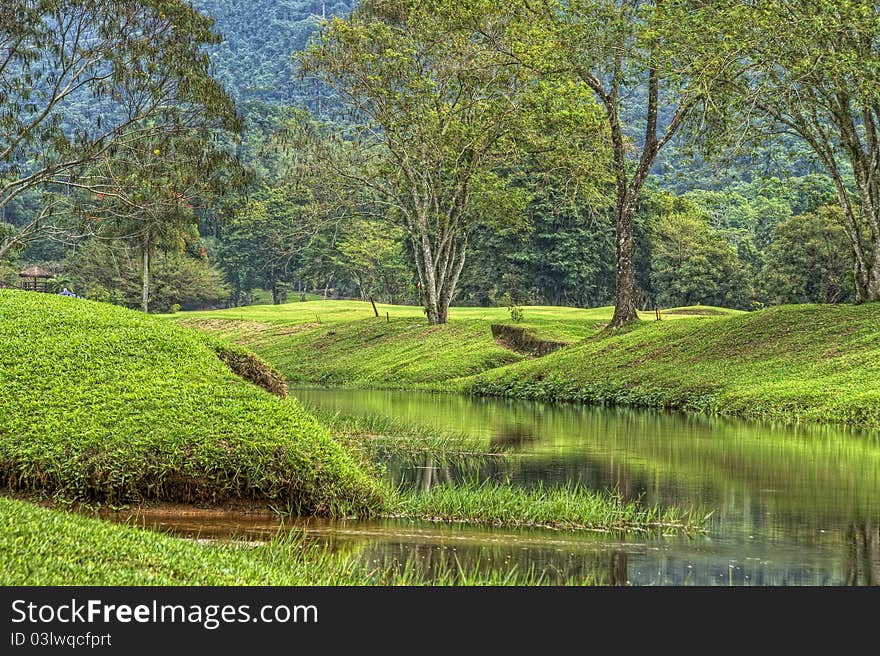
(560, 507)
(44, 547)
(803, 363)
(104, 404)
(342, 343)
(795, 363)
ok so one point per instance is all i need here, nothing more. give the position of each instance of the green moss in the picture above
(105, 404)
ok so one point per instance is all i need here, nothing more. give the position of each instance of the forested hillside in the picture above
(254, 61)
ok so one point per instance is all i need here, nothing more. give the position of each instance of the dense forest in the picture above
(758, 224)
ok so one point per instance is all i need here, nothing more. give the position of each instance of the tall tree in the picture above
(810, 70)
(135, 68)
(434, 114)
(153, 193)
(626, 52)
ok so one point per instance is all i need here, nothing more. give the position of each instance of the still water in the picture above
(790, 505)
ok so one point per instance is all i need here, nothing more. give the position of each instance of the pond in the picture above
(790, 505)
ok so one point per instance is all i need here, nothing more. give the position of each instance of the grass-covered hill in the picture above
(807, 362)
(106, 404)
(343, 343)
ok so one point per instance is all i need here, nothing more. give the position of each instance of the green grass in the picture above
(372, 432)
(108, 405)
(797, 363)
(794, 363)
(547, 322)
(264, 297)
(341, 343)
(44, 547)
(570, 507)
(104, 404)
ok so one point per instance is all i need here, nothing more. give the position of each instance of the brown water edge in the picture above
(231, 508)
(240, 521)
(554, 556)
(558, 555)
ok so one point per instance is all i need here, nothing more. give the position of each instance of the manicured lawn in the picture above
(809, 362)
(106, 404)
(342, 343)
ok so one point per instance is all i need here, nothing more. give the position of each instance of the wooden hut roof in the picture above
(35, 272)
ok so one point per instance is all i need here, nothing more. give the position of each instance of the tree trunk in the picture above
(433, 313)
(145, 290)
(625, 268)
(873, 287)
(439, 256)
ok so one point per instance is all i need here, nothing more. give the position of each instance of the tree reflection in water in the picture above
(514, 437)
(863, 562)
(432, 472)
(619, 568)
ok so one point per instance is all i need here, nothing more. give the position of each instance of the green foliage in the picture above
(9, 275)
(105, 404)
(254, 59)
(561, 254)
(117, 75)
(260, 244)
(693, 264)
(810, 260)
(371, 254)
(109, 272)
(825, 97)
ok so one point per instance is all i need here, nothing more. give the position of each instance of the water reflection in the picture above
(432, 472)
(863, 565)
(787, 502)
(791, 506)
(512, 436)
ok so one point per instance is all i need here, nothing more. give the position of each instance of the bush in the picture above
(113, 273)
